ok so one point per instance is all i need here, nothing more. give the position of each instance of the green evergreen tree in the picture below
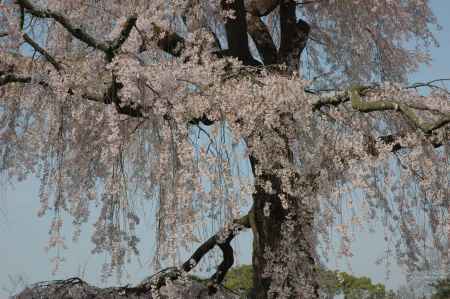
(442, 289)
(332, 283)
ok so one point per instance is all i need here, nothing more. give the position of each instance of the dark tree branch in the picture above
(109, 47)
(260, 8)
(63, 21)
(124, 34)
(222, 239)
(236, 29)
(171, 43)
(42, 51)
(394, 141)
(13, 78)
(203, 119)
(10, 77)
(307, 2)
(3, 34)
(294, 36)
(262, 38)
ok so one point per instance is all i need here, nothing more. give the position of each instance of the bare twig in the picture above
(429, 83)
(42, 51)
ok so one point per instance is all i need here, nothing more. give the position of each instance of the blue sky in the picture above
(23, 236)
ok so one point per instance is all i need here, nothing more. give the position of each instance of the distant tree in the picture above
(332, 284)
(112, 101)
(240, 279)
(360, 287)
(441, 289)
(407, 292)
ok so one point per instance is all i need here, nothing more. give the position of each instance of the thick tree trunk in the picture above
(282, 222)
(284, 259)
(283, 256)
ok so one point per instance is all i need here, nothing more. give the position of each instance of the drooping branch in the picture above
(109, 96)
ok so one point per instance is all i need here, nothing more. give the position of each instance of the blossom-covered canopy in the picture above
(108, 102)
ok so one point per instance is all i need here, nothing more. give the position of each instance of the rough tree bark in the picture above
(269, 242)
(299, 273)
(282, 224)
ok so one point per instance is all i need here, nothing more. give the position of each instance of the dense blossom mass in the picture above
(111, 102)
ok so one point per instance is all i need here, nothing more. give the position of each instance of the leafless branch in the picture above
(429, 83)
(42, 51)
